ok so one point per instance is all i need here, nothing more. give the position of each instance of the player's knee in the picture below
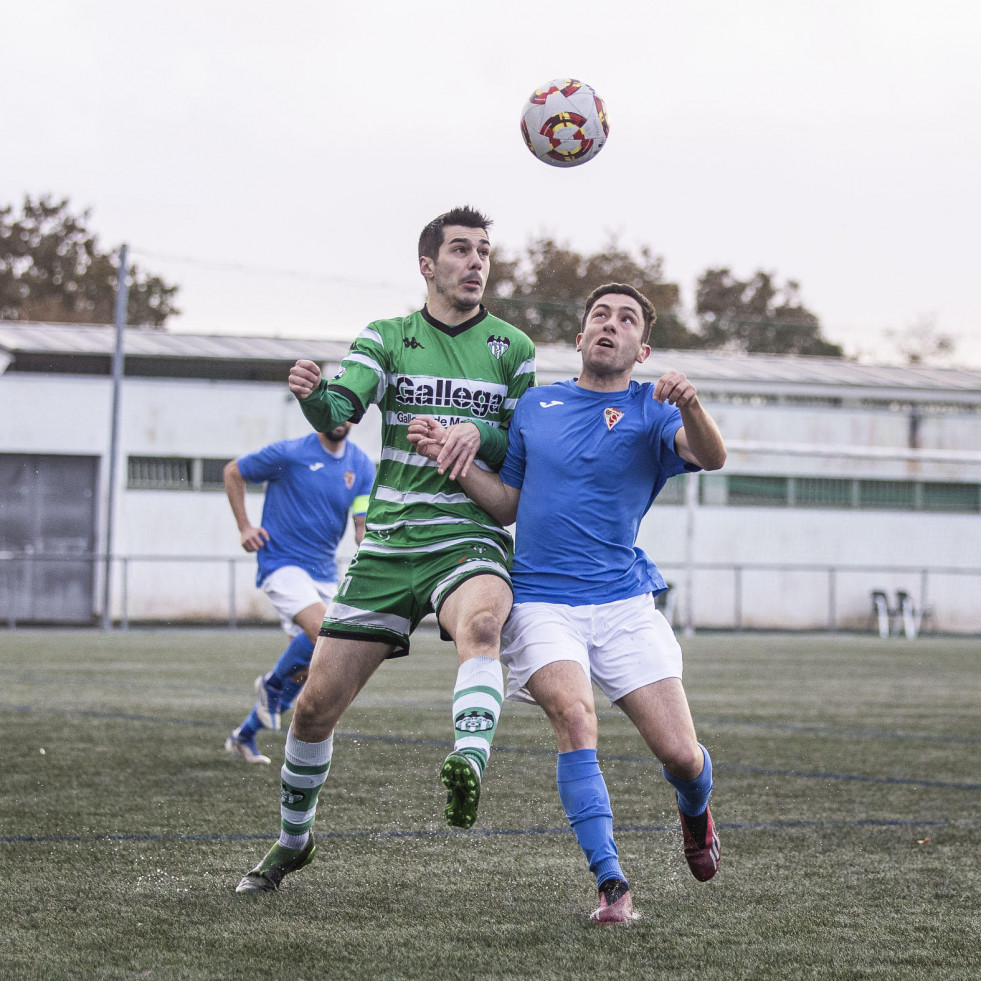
(683, 760)
(483, 630)
(575, 723)
(309, 715)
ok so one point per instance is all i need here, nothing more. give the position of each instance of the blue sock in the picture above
(288, 695)
(250, 726)
(693, 795)
(297, 655)
(586, 801)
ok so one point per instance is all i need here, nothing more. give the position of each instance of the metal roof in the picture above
(785, 374)
(57, 345)
(17, 338)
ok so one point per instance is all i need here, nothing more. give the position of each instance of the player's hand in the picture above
(304, 378)
(459, 448)
(427, 436)
(453, 449)
(254, 538)
(674, 387)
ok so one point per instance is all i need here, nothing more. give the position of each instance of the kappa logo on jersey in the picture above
(448, 393)
(287, 798)
(612, 416)
(316, 466)
(412, 344)
(548, 405)
(348, 479)
(476, 720)
(498, 346)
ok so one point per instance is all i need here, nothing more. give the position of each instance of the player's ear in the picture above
(578, 342)
(645, 353)
(426, 266)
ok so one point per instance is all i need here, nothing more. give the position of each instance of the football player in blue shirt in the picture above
(585, 460)
(312, 484)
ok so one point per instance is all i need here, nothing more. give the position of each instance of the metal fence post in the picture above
(232, 618)
(124, 589)
(737, 597)
(832, 600)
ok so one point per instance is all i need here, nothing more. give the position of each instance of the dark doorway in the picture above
(47, 538)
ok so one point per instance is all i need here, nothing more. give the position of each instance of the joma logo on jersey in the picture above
(476, 720)
(444, 393)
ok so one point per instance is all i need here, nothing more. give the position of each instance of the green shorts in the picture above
(385, 594)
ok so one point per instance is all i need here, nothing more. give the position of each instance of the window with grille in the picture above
(159, 473)
(212, 474)
(887, 494)
(178, 473)
(823, 492)
(950, 497)
(751, 491)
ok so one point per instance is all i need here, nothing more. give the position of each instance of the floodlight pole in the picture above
(122, 293)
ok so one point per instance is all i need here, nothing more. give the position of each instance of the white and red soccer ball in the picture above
(564, 123)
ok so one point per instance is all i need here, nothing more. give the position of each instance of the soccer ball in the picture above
(564, 123)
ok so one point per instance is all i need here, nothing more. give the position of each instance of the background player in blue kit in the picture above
(312, 484)
(585, 460)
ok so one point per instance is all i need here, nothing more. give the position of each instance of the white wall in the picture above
(828, 538)
(57, 414)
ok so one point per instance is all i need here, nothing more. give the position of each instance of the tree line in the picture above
(53, 269)
(542, 290)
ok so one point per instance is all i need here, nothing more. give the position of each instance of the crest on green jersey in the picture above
(498, 346)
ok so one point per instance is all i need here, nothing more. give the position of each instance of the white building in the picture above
(842, 479)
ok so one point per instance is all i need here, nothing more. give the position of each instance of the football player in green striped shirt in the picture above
(427, 546)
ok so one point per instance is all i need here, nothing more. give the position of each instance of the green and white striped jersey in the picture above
(414, 365)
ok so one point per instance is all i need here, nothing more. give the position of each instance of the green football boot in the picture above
(461, 778)
(279, 862)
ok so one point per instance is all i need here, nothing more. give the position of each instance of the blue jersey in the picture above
(589, 465)
(308, 496)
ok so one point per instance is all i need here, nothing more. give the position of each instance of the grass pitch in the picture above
(847, 792)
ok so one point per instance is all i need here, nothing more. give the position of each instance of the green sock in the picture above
(477, 698)
(303, 774)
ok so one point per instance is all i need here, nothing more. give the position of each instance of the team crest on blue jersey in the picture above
(498, 346)
(348, 479)
(612, 416)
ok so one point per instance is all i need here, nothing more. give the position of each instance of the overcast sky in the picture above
(278, 161)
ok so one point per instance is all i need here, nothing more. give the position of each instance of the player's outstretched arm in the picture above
(483, 487)
(324, 410)
(699, 440)
(252, 537)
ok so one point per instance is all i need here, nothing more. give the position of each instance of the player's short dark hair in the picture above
(650, 314)
(432, 235)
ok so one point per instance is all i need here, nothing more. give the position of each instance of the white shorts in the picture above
(621, 646)
(291, 589)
